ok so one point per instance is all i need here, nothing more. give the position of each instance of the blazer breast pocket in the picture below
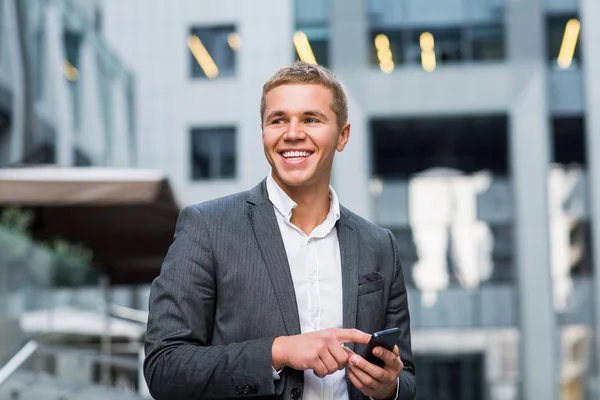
(371, 287)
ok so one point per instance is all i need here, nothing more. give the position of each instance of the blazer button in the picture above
(295, 393)
(246, 389)
(239, 390)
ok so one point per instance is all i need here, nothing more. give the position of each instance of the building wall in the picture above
(151, 36)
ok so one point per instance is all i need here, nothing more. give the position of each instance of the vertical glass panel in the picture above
(571, 255)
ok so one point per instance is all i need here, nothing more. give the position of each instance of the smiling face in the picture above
(301, 134)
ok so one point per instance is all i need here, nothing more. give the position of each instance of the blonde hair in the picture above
(305, 73)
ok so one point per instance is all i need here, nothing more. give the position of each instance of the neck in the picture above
(312, 204)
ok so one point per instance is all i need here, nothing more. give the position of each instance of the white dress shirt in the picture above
(316, 269)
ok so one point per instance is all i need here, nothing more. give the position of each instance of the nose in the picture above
(295, 131)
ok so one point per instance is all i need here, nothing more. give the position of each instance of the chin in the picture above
(293, 181)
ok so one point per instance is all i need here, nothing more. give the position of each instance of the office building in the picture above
(474, 135)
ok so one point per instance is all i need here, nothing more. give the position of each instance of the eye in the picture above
(312, 121)
(277, 121)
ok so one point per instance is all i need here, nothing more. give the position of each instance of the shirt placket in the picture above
(313, 285)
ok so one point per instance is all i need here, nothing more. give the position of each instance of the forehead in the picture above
(296, 97)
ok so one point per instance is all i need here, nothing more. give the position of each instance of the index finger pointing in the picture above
(352, 335)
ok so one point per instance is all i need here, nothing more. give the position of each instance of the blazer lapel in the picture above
(270, 242)
(348, 239)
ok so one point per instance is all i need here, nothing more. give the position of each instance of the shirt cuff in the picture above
(397, 389)
(276, 373)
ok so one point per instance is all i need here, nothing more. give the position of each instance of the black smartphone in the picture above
(386, 339)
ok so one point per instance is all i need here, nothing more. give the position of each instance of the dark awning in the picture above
(126, 217)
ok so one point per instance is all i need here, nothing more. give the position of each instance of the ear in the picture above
(343, 137)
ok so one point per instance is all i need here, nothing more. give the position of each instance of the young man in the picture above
(273, 293)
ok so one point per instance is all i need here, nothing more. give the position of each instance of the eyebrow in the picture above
(273, 114)
(314, 113)
(308, 113)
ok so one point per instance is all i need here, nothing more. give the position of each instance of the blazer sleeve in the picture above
(399, 316)
(180, 361)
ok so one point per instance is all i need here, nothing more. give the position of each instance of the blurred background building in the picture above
(473, 140)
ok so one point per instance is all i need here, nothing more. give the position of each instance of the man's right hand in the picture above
(320, 351)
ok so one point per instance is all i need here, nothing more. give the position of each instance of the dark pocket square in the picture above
(370, 277)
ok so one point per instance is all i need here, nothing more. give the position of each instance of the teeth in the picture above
(292, 154)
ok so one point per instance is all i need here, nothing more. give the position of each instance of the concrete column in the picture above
(9, 15)
(349, 55)
(529, 153)
(590, 31)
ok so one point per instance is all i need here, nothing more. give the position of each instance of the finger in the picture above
(340, 355)
(320, 369)
(358, 384)
(352, 335)
(390, 359)
(329, 361)
(371, 370)
(355, 381)
(365, 381)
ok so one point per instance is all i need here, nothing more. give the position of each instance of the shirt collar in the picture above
(284, 204)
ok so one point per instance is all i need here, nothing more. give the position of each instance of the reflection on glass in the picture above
(571, 256)
(445, 227)
(563, 37)
(457, 31)
(213, 51)
(311, 43)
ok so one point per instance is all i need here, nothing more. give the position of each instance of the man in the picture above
(273, 293)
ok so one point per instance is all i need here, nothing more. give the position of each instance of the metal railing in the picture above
(17, 360)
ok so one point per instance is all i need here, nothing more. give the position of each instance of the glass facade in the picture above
(90, 80)
(445, 191)
(431, 33)
(572, 264)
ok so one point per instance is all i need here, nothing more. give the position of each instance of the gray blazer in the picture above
(225, 292)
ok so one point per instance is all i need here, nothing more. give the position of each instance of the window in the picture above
(212, 51)
(311, 39)
(403, 147)
(416, 46)
(72, 45)
(213, 153)
(312, 44)
(563, 36)
(431, 33)
(450, 377)
(5, 136)
(568, 135)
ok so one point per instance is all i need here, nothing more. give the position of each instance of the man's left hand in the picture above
(373, 381)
